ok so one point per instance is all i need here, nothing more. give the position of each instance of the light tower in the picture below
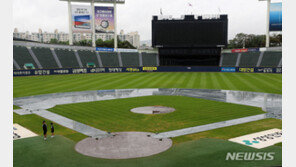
(267, 22)
(92, 3)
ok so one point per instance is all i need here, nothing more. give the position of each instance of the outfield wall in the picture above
(144, 69)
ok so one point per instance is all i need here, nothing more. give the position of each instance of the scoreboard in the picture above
(190, 32)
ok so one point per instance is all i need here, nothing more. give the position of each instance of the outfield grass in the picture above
(256, 82)
(59, 151)
(115, 115)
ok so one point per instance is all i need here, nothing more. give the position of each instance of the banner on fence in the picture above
(142, 69)
(247, 70)
(228, 69)
(99, 49)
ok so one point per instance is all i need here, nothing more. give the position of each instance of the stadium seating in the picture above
(45, 57)
(22, 56)
(229, 59)
(271, 59)
(67, 58)
(87, 56)
(109, 59)
(149, 59)
(130, 59)
(249, 59)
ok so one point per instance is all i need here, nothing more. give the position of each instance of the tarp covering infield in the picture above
(144, 69)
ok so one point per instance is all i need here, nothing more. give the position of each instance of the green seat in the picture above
(130, 59)
(149, 59)
(22, 56)
(90, 65)
(229, 59)
(29, 66)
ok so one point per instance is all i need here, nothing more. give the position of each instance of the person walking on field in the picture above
(44, 127)
(52, 130)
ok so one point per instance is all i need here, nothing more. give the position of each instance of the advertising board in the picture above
(81, 17)
(104, 19)
(228, 69)
(275, 17)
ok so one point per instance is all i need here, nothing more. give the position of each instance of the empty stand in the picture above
(249, 59)
(45, 57)
(229, 59)
(22, 56)
(109, 59)
(149, 59)
(130, 59)
(67, 58)
(271, 59)
(87, 56)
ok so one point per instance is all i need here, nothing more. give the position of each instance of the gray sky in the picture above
(248, 16)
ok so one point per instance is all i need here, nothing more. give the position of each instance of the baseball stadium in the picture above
(189, 101)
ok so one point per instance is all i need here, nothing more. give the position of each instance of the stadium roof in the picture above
(98, 1)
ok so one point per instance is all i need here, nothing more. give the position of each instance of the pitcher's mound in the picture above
(123, 145)
(153, 110)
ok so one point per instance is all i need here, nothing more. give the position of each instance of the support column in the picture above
(221, 60)
(93, 23)
(119, 59)
(56, 58)
(16, 65)
(260, 59)
(157, 59)
(115, 26)
(267, 23)
(99, 59)
(238, 60)
(34, 58)
(280, 63)
(78, 59)
(70, 23)
(140, 59)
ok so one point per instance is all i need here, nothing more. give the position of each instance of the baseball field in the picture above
(115, 116)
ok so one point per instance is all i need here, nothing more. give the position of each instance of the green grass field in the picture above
(115, 115)
(34, 85)
(60, 151)
(207, 148)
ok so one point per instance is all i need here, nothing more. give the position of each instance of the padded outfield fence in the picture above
(277, 70)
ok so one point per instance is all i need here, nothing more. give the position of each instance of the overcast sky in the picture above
(248, 16)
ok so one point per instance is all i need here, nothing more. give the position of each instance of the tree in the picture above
(242, 40)
(110, 44)
(83, 43)
(54, 41)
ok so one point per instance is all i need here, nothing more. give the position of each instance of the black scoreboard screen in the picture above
(190, 32)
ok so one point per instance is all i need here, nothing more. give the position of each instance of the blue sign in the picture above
(275, 18)
(99, 49)
(228, 69)
(253, 50)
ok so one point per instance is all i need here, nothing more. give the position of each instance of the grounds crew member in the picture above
(44, 127)
(52, 130)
